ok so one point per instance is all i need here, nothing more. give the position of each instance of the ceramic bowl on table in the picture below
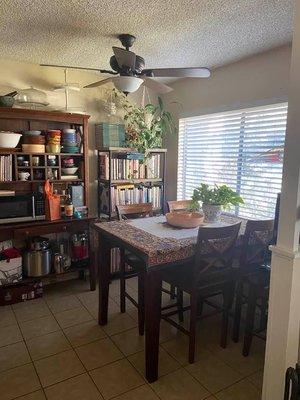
(69, 171)
(9, 140)
(185, 219)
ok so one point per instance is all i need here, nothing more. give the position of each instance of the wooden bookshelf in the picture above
(139, 187)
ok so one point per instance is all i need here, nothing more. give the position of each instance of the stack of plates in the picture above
(70, 144)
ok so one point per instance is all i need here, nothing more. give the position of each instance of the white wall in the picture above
(18, 75)
(250, 82)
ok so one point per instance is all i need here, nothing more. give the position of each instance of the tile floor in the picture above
(52, 348)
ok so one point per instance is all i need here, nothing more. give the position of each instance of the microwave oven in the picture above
(21, 208)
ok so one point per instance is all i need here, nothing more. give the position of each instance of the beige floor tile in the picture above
(99, 353)
(39, 327)
(59, 304)
(57, 368)
(13, 355)
(117, 378)
(213, 373)
(179, 385)
(47, 345)
(84, 333)
(78, 388)
(232, 356)
(240, 391)
(9, 335)
(31, 310)
(118, 323)
(179, 348)
(39, 395)
(73, 317)
(88, 298)
(168, 332)
(18, 381)
(7, 317)
(141, 393)
(166, 363)
(129, 342)
(257, 379)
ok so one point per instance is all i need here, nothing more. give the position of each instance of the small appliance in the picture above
(21, 207)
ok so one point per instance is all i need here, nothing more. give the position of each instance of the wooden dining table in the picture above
(159, 246)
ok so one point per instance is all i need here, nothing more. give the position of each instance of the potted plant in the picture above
(145, 126)
(214, 199)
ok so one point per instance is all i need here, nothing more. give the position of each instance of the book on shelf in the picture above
(124, 168)
(6, 168)
(129, 194)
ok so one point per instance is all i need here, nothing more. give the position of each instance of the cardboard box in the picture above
(20, 292)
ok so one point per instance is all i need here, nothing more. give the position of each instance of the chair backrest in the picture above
(256, 240)
(215, 247)
(178, 205)
(133, 211)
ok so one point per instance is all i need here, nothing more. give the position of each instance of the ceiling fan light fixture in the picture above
(127, 84)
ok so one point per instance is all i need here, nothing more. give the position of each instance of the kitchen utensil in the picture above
(32, 97)
(23, 176)
(31, 133)
(53, 148)
(35, 161)
(51, 161)
(39, 243)
(28, 139)
(33, 148)
(69, 171)
(37, 262)
(9, 140)
(185, 219)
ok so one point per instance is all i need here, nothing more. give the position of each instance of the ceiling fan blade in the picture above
(68, 66)
(156, 86)
(193, 72)
(125, 58)
(98, 83)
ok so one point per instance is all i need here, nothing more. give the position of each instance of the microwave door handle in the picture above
(33, 206)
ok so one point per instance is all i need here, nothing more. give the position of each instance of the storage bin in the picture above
(109, 135)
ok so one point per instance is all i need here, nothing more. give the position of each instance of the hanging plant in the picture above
(145, 127)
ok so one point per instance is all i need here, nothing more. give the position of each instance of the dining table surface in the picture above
(159, 246)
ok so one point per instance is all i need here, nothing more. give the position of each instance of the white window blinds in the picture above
(243, 149)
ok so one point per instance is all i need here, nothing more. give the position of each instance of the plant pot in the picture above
(211, 212)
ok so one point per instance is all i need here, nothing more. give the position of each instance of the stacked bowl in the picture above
(33, 142)
(53, 140)
(70, 144)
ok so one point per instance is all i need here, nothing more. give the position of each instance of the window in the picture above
(242, 148)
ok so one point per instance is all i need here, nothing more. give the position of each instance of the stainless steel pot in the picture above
(37, 263)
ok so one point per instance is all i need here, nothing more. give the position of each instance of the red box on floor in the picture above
(20, 292)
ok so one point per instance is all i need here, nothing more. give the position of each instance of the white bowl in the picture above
(69, 171)
(9, 140)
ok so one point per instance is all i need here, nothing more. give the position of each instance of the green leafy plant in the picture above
(216, 195)
(145, 126)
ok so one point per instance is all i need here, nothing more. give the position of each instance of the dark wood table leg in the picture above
(104, 278)
(153, 285)
(92, 260)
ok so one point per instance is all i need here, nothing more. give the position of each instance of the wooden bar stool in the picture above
(132, 211)
(209, 271)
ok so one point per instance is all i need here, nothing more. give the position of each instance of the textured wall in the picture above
(257, 80)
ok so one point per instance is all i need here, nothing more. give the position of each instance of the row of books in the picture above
(124, 168)
(6, 168)
(129, 194)
(115, 261)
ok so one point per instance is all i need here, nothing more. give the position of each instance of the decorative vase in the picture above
(211, 212)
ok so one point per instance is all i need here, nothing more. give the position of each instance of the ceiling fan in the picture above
(129, 70)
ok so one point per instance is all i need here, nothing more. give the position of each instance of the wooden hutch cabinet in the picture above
(18, 120)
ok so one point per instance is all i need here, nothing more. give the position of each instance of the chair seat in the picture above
(213, 279)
